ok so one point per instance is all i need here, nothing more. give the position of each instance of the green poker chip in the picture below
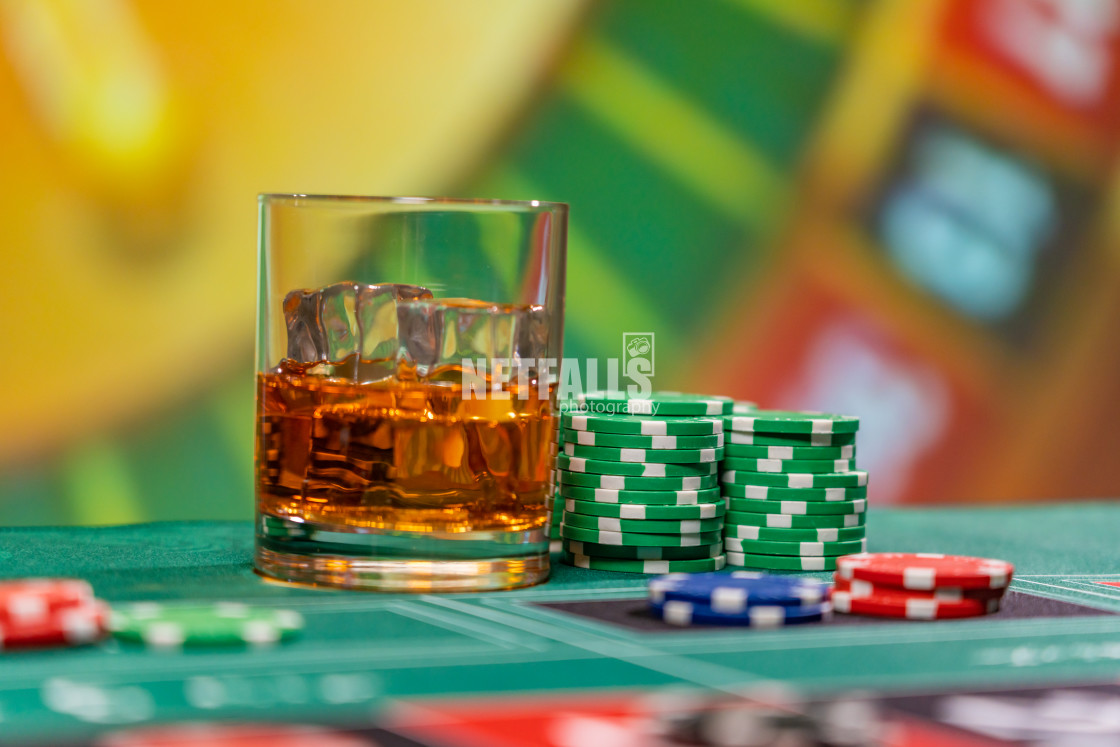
(798, 508)
(634, 469)
(799, 466)
(773, 534)
(820, 453)
(640, 498)
(764, 493)
(624, 552)
(223, 623)
(782, 421)
(780, 563)
(641, 526)
(654, 456)
(621, 441)
(792, 521)
(794, 549)
(639, 425)
(790, 439)
(632, 483)
(657, 567)
(602, 537)
(658, 404)
(853, 479)
(641, 512)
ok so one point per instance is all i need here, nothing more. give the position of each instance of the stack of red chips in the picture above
(919, 586)
(50, 612)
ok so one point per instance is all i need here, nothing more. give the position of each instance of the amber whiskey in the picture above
(401, 455)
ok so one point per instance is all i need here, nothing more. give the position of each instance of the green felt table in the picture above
(361, 651)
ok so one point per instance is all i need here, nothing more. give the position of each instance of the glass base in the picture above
(384, 560)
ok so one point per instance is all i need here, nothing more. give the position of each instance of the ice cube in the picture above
(532, 335)
(436, 335)
(350, 327)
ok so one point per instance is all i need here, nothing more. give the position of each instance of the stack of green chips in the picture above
(637, 483)
(795, 500)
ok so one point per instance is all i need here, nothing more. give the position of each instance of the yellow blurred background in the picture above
(894, 208)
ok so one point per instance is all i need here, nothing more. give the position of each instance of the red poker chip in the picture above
(902, 604)
(915, 570)
(32, 601)
(71, 626)
(859, 588)
(233, 735)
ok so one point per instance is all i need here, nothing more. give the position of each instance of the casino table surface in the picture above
(403, 667)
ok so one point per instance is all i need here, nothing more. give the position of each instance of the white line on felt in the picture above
(1073, 591)
(687, 670)
(1069, 576)
(481, 630)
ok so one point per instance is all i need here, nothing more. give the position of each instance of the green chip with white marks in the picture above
(820, 453)
(645, 512)
(641, 526)
(604, 537)
(222, 623)
(657, 404)
(764, 493)
(790, 439)
(784, 421)
(798, 508)
(657, 567)
(650, 498)
(632, 483)
(632, 552)
(781, 563)
(622, 441)
(799, 549)
(640, 425)
(792, 521)
(853, 479)
(787, 466)
(635, 469)
(775, 534)
(663, 456)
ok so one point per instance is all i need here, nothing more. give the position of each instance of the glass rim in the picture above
(414, 200)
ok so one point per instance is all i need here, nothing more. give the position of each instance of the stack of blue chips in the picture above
(742, 598)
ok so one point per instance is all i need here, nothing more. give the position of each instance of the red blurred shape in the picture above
(909, 732)
(1053, 63)
(919, 424)
(545, 721)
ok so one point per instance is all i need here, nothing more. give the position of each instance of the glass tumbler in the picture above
(407, 358)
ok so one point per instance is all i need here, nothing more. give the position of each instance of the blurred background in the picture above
(903, 210)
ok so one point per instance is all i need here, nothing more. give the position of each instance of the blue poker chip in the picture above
(734, 593)
(684, 613)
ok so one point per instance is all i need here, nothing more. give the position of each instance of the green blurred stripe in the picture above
(424, 240)
(637, 218)
(233, 409)
(98, 486)
(601, 303)
(29, 496)
(826, 21)
(714, 163)
(496, 234)
(184, 468)
(764, 80)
